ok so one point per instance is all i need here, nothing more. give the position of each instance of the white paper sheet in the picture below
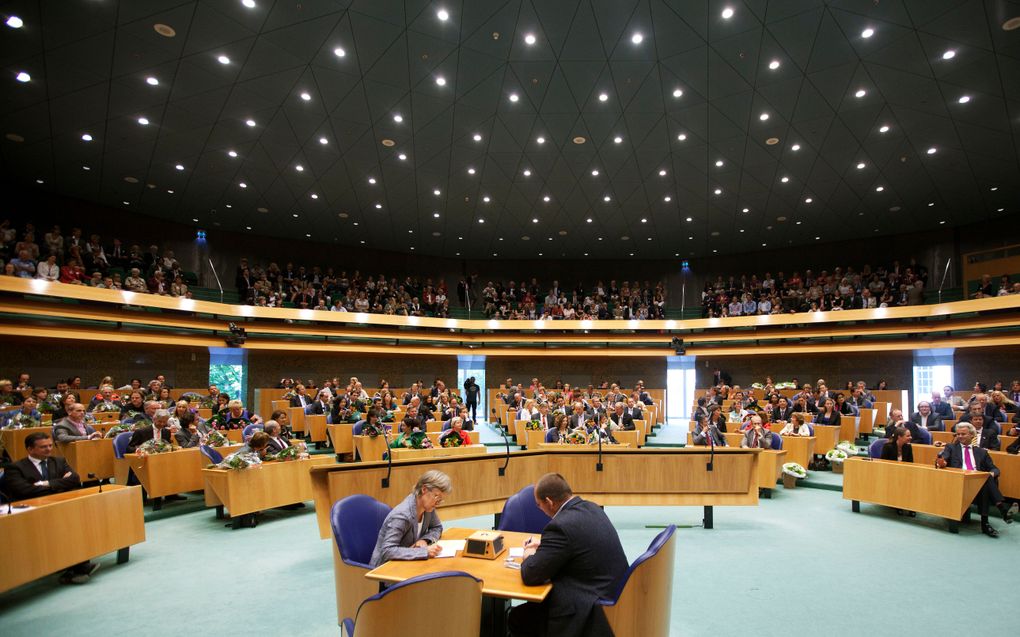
(517, 551)
(450, 547)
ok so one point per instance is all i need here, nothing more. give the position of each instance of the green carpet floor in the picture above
(800, 563)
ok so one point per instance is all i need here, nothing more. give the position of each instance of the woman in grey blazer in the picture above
(412, 528)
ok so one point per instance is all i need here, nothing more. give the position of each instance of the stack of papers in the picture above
(451, 547)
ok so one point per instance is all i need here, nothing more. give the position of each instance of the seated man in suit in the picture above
(276, 443)
(466, 425)
(926, 418)
(321, 405)
(620, 419)
(706, 432)
(986, 432)
(756, 436)
(104, 401)
(73, 427)
(965, 454)
(300, 398)
(160, 427)
(941, 407)
(42, 473)
(581, 554)
(633, 410)
(596, 410)
(577, 416)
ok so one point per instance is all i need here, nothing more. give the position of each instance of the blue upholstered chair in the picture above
(521, 514)
(120, 444)
(356, 521)
(923, 436)
(249, 431)
(409, 608)
(777, 441)
(214, 456)
(875, 448)
(644, 594)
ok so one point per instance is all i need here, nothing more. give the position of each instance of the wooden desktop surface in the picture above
(497, 579)
(167, 473)
(271, 484)
(67, 528)
(947, 493)
(1007, 463)
(637, 477)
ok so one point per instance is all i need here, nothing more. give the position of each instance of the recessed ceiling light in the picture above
(540, 140)
(588, 220)
(441, 81)
(884, 129)
(867, 33)
(678, 92)
(994, 188)
(323, 141)
(402, 157)
(931, 203)
(378, 206)
(398, 118)
(514, 97)
(486, 199)
(603, 97)
(151, 81)
(437, 192)
(314, 196)
(339, 52)
(931, 151)
(747, 210)
(681, 137)
(662, 173)
(443, 15)
(481, 221)
(179, 167)
(546, 199)
(667, 199)
(299, 168)
(435, 214)
(86, 137)
(243, 185)
(607, 198)
(617, 140)
(595, 172)
(534, 220)
(808, 200)
(719, 163)
(471, 171)
(860, 93)
(949, 55)
(232, 153)
(22, 76)
(774, 64)
(1000, 209)
(795, 147)
(527, 173)
(476, 137)
(860, 166)
(1011, 25)
(964, 99)
(15, 22)
(295, 215)
(785, 179)
(371, 180)
(718, 191)
(86, 168)
(250, 123)
(643, 220)
(529, 39)
(223, 59)
(763, 116)
(727, 13)
(306, 96)
(144, 121)
(637, 38)
(126, 203)
(879, 188)
(251, 5)
(690, 219)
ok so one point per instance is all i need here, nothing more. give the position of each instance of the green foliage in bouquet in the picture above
(154, 446)
(795, 470)
(451, 439)
(119, 429)
(290, 453)
(372, 431)
(534, 425)
(388, 416)
(418, 440)
(576, 438)
(216, 439)
(240, 461)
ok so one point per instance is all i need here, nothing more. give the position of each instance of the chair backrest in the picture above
(308, 408)
(777, 441)
(875, 448)
(521, 514)
(250, 430)
(356, 521)
(410, 607)
(811, 428)
(120, 443)
(924, 436)
(214, 456)
(644, 594)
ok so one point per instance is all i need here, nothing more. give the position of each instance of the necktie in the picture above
(44, 469)
(967, 460)
(754, 442)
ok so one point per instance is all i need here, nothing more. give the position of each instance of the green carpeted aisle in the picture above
(799, 563)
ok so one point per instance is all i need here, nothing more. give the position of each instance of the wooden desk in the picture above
(946, 493)
(800, 448)
(315, 427)
(946, 437)
(67, 528)
(167, 473)
(770, 467)
(89, 456)
(271, 484)
(1007, 463)
(106, 416)
(499, 583)
(341, 437)
(14, 440)
(104, 427)
(649, 476)
(371, 449)
(473, 435)
(403, 453)
(826, 438)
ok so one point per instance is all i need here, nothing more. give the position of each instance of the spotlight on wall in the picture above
(237, 336)
(678, 346)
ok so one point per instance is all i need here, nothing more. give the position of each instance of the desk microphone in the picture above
(711, 444)
(598, 432)
(10, 502)
(92, 476)
(389, 459)
(506, 441)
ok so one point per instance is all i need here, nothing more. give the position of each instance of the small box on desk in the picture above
(484, 544)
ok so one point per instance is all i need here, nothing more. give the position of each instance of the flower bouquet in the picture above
(45, 407)
(534, 425)
(576, 438)
(836, 457)
(192, 397)
(215, 439)
(293, 452)
(240, 461)
(388, 416)
(450, 439)
(154, 446)
(21, 420)
(373, 431)
(119, 429)
(848, 447)
(221, 420)
(791, 473)
(418, 440)
(786, 385)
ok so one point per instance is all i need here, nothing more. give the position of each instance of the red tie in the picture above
(754, 442)
(966, 459)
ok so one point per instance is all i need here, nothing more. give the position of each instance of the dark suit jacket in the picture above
(990, 437)
(934, 421)
(143, 435)
(628, 422)
(576, 421)
(582, 556)
(275, 447)
(889, 452)
(953, 455)
(295, 401)
(634, 413)
(943, 409)
(780, 414)
(318, 409)
(20, 478)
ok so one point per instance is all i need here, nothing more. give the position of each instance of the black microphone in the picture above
(92, 476)
(10, 503)
(506, 441)
(711, 444)
(389, 459)
(598, 432)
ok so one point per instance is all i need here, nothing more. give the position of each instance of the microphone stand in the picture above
(389, 459)
(598, 432)
(711, 443)
(92, 476)
(10, 503)
(506, 441)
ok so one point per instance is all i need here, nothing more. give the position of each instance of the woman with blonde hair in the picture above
(412, 529)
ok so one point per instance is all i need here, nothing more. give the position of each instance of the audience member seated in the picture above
(796, 426)
(235, 417)
(707, 433)
(160, 428)
(526, 301)
(276, 442)
(620, 419)
(558, 432)
(457, 429)
(829, 415)
(897, 447)
(756, 436)
(925, 418)
(412, 529)
(258, 444)
(74, 427)
(963, 453)
(941, 408)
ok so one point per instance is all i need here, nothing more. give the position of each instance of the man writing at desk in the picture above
(965, 454)
(42, 474)
(580, 553)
